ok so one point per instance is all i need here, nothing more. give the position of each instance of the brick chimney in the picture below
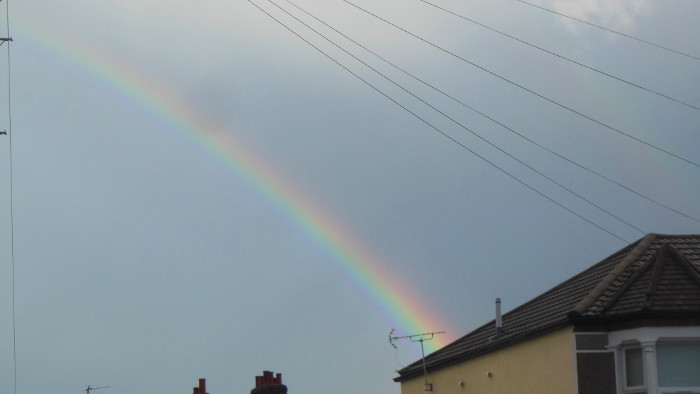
(269, 384)
(202, 389)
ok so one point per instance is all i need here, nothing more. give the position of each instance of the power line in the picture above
(612, 31)
(564, 57)
(436, 128)
(527, 89)
(510, 129)
(461, 125)
(12, 221)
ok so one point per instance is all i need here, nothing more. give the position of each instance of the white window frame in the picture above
(647, 338)
(623, 370)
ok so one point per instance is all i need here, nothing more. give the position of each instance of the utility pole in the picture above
(418, 338)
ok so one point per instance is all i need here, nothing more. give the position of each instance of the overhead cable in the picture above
(460, 124)
(564, 57)
(482, 114)
(444, 134)
(12, 221)
(612, 31)
(616, 130)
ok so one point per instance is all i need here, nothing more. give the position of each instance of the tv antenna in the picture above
(417, 338)
(89, 388)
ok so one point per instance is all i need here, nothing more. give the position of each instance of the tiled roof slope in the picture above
(655, 275)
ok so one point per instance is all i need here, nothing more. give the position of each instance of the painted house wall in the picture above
(541, 365)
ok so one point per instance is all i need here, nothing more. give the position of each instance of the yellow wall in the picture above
(544, 365)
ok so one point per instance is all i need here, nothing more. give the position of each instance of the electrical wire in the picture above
(460, 124)
(510, 129)
(12, 221)
(564, 57)
(612, 31)
(436, 128)
(616, 130)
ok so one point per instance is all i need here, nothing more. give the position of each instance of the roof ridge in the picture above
(674, 235)
(558, 286)
(588, 300)
(507, 315)
(653, 261)
(683, 261)
(659, 263)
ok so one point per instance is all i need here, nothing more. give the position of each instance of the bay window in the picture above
(657, 360)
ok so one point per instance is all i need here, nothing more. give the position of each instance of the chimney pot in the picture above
(269, 383)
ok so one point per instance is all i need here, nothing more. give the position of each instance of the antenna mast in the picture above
(417, 338)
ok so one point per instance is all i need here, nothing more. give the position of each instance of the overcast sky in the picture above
(199, 193)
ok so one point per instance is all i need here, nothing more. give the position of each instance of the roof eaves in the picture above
(479, 351)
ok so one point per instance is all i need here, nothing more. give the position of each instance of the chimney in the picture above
(202, 389)
(269, 384)
(499, 321)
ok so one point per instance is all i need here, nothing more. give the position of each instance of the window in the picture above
(678, 364)
(657, 360)
(634, 368)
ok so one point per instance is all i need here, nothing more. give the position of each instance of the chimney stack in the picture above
(202, 389)
(269, 384)
(499, 321)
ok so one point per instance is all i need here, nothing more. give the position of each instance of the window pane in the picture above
(678, 364)
(634, 367)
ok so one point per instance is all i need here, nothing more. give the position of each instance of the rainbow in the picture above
(393, 298)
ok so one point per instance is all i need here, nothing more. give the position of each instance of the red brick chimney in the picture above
(269, 384)
(202, 389)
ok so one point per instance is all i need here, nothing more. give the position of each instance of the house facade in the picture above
(628, 324)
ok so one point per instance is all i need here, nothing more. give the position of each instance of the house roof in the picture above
(656, 276)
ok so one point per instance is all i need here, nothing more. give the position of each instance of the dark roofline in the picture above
(494, 346)
(637, 319)
(577, 294)
(503, 342)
